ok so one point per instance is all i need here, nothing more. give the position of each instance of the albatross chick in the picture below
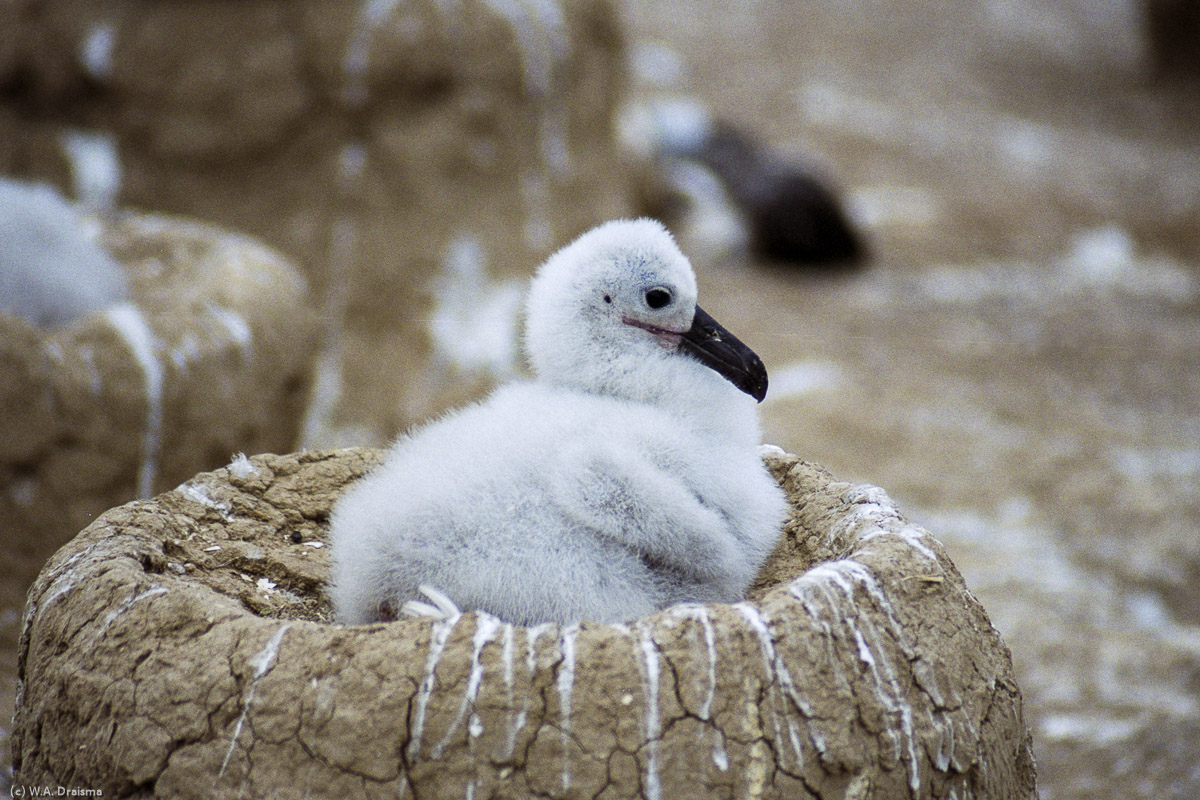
(624, 478)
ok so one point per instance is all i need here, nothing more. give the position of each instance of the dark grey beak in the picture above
(721, 351)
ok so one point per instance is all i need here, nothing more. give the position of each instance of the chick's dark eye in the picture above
(608, 298)
(658, 297)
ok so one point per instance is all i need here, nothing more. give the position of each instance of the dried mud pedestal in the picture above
(414, 158)
(212, 356)
(179, 647)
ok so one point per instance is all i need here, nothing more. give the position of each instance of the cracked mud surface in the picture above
(181, 647)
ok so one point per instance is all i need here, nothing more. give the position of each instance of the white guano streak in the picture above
(652, 726)
(871, 507)
(566, 680)
(507, 657)
(95, 167)
(238, 330)
(911, 534)
(485, 628)
(700, 615)
(532, 635)
(198, 493)
(542, 39)
(896, 703)
(844, 574)
(328, 385)
(343, 238)
(128, 321)
(97, 49)
(371, 16)
(129, 603)
(437, 643)
(777, 669)
(262, 663)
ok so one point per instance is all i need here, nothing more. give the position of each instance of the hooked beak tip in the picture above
(719, 350)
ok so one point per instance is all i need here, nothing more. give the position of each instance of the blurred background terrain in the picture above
(1016, 361)
(1018, 365)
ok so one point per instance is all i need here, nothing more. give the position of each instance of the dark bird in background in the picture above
(718, 185)
(790, 213)
(1173, 30)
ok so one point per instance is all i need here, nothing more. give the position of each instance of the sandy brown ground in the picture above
(1018, 366)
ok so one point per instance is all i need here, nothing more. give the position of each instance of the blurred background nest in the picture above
(992, 312)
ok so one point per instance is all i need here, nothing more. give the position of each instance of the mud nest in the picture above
(212, 356)
(181, 647)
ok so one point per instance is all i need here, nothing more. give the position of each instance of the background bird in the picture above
(625, 477)
(51, 271)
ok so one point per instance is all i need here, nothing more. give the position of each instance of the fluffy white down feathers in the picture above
(623, 479)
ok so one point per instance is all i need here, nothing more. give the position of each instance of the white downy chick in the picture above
(50, 271)
(623, 479)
